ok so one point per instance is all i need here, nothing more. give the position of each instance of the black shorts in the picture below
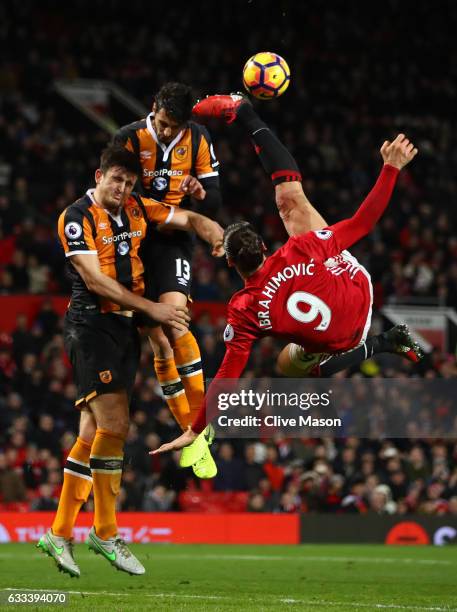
(104, 350)
(167, 260)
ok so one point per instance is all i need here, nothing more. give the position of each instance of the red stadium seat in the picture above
(214, 502)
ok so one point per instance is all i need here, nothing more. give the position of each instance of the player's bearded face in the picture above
(166, 128)
(114, 186)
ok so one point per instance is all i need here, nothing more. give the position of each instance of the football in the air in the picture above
(266, 75)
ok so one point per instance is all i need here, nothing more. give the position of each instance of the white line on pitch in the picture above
(327, 559)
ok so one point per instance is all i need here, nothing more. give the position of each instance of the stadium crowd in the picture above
(340, 107)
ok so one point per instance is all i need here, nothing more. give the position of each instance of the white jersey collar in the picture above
(117, 218)
(166, 149)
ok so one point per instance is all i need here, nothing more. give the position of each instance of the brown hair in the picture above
(243, 246)
(117, 155)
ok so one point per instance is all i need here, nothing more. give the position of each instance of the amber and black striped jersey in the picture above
(165, 166)
(87, 228)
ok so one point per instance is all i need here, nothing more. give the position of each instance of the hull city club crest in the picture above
(181, 153)
(105, 376)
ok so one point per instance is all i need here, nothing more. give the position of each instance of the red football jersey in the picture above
(308, 292)
(311, 291)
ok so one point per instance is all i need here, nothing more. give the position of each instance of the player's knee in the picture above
(111, 412)
(289, 196)
(87, 427)
(122, 427)
(115, 423)
(294, 362)
(174, 334)
(284, 362)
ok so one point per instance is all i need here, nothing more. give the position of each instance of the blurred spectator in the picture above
(23, 341)
(212, 354)
(417, 466)
(275, 473)
(229, 469)
(46, 436)
(158, 500)
(256, 502)
(135, 451)
(19, 272)
(47, 319)
(12, 487)
(381, 500)
(45, 502)
(398, 484)
(355, 501)
(252, 472)
(290, 500)
(38, 275)
(133, 488)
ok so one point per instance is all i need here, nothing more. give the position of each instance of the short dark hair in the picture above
(243, 246)
(177, 101)
(117, 155)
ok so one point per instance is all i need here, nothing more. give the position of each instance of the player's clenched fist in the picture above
(193, 187)
(399, 152)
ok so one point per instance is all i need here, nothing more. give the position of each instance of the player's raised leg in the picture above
(187, 359)
(294, 362)
(296, 211)
(177, 359)
(168, 376)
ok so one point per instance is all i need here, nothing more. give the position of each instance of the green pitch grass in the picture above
(184, 577)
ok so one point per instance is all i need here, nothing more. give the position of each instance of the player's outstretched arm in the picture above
(183, 440)
(88, 267)
(208, 230)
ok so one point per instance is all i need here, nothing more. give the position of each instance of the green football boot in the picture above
(199, 456)
(61, 550)
(116, 552)
(205, 467)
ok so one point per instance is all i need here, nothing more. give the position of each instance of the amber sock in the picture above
(77, 483)
(173, 390)
(106, 458)
(189, 365)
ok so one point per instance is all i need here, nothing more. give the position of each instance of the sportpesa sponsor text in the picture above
(162, 172)
(122, 236)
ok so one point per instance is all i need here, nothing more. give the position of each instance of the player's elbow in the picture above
(182, 220)
(289, 196)
(90, 284)
(363, 227)
(92, 281)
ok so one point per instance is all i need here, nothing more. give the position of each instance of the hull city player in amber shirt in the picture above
(171, 148)
(310, 292)
(101, 234)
